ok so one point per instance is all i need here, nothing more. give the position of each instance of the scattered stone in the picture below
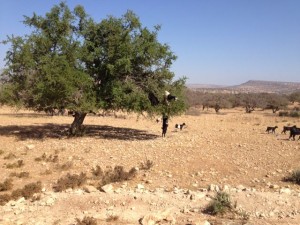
(107, 188)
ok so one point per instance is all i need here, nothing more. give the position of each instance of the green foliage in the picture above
(71, 61)
(294, 97)
(220, 205)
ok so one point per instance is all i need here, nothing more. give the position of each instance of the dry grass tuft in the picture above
(19, 175)
(147, 165)
(116, 175)
(44, 158)
(86, 221)
(70, 181)
(6, 185)
(10, 156)
(17, 164)
(27, 191)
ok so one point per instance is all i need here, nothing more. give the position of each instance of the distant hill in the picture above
(251, 86)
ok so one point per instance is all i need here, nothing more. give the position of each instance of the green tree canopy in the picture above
(71, 61)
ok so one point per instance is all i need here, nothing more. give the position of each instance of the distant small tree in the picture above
(71, 61)
(294, 97)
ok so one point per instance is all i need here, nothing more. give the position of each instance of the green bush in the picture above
(220, 205)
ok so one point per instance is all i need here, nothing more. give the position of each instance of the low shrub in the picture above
(10, 156)
(294, 177)
(17, 164)
(4, 199)
(66, 166)
(6, 185)
(220, 205)
(117, 175)
(112, 218)
(283, 113)
(27, 191)
(295, 114)
(44, 158)
(19, 175)
(86, 221)
(97, 172)
(147, 165)
(70, 181)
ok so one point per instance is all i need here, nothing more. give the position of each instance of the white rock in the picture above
(107, 188)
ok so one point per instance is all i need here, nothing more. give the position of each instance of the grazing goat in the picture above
(180, 126)
(293, 132)
(285, 129)
(164, 125)
(272, 129)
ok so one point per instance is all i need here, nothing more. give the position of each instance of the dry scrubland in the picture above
(230, 150)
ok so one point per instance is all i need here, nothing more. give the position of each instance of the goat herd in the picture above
(293, 131)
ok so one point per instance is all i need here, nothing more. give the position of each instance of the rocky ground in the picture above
(230, 151)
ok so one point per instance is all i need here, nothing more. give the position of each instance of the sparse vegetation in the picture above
(6, 185)
(86, 221)
(65, 166)
(17, 164)
(4, 199)
(112, 218)
(27, 192)
(116, 175)
(293, 113)
(147, 165)
(97, 172)
(220, 205)
(19, 175)
(50, 158)
(294, 177)
(1, 151)
(70, 181)
(10, 156)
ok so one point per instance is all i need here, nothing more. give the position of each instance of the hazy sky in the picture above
(217, 41)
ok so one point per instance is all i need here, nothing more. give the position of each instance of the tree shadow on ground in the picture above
(55, 131)
(27, 115)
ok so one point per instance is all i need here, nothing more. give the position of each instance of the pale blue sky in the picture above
(223, 42)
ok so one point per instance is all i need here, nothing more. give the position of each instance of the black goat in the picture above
(272, 129)
(180, 126)
(164, 125)
(293, 132)
(285, 129)
(153, 99)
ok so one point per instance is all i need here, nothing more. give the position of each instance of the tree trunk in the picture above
(76, 126)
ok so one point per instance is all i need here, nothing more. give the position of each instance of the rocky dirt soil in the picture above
(229, 151)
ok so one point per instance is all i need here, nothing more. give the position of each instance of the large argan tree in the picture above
(71, 61)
